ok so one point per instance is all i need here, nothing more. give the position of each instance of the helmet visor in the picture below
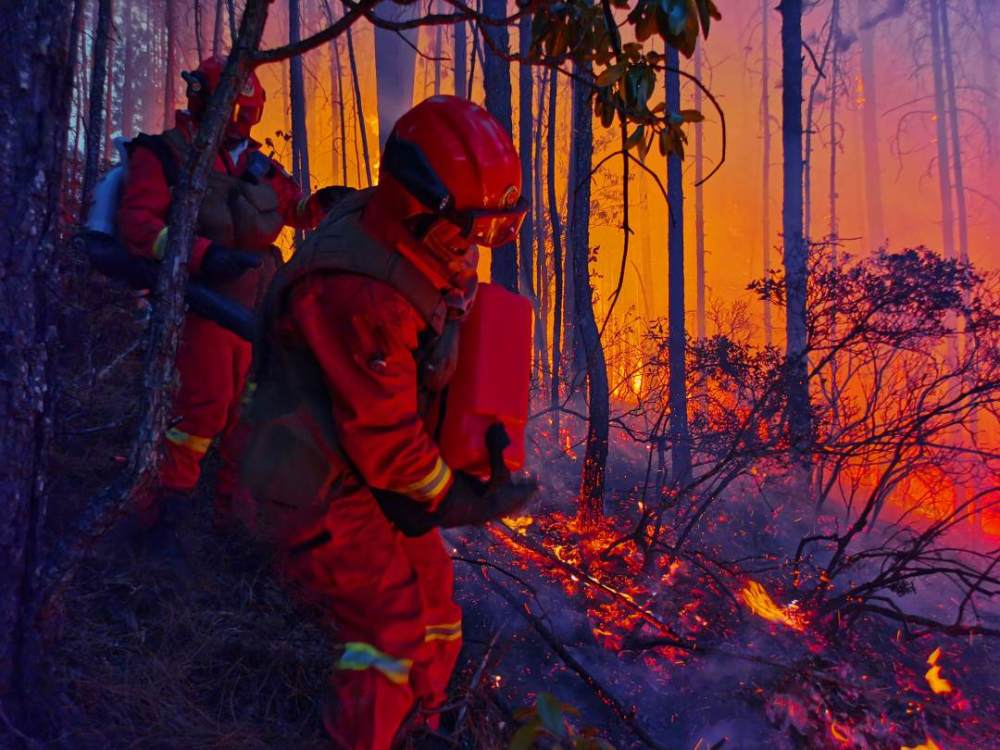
(491, 227)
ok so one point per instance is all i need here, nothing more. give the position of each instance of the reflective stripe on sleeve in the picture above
(431, 485)
(359, 656)
(195, 443)
(450, 631)
(160, 244)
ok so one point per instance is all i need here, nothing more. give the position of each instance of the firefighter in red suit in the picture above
(346, 477)
(248, 201)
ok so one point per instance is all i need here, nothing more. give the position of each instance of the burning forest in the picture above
(500, 375)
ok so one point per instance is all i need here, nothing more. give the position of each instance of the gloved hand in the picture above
(328, 197)
(469, 502)
(222, 263)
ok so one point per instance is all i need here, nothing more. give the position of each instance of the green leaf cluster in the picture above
(547, 725)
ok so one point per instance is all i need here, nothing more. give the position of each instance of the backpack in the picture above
(108, 255)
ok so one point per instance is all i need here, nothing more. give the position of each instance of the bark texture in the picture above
(795, 250)
(496, 77)
(35, 82)
(680, 439)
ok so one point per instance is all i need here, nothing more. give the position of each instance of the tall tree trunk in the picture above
(337, 96)
(525, 128)
(941, 121)
(35, 86)
(557, 259)
(796, 250)
(217, 31)
(109, 91)
(496, 80)
(199, 46)
(395, 63)
(437, 60)
(170, 66)
(765, 117)
(680, 439)
(956, 135)
(834, 93)
(869, 126)
(95, 115)
(359, 107)
(129, 71)
(461, 84)
(581, 155)
(538, 226)
(699, 202)
(231, 8)
(300, 137)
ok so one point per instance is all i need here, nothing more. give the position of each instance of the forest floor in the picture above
(651, 652)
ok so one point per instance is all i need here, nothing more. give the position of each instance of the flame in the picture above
(928, 745)
(938, 683)
(761, 604)
(518, 524)
(840, 733)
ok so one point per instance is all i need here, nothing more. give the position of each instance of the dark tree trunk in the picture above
(358, 107)
(461, 85)
(869, 126)
(699, 203)
(541, 265)
(95, 115)
(557, 254)
(834, 137)
(130, 50)
(337, 97)
(944, 163)
(395, 63)
(578, 242)
(217, 31)
(300, 137)
(197, 30)
(765, 119)
(496, 78)
(956, 135)
(437, 60)
(680, 440)
(35, 84)
(525, 129)
(795, 250)
(170, 67)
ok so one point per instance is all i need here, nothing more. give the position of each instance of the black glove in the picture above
(469, 502)
(222, 263)
(330, 196)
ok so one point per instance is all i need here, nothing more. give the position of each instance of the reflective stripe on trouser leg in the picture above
(182, 460)
(359, 656)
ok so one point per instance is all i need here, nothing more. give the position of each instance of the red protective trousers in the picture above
(212, 363)
(389, 598)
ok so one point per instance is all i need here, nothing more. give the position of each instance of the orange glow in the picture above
(937, 683)
(928, 745)
(761, 604)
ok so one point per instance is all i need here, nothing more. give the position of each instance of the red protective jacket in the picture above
(145, 200)
(363, 334)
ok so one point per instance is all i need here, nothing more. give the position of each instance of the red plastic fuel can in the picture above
(491, 381)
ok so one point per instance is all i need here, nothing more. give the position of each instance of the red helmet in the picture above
(451, 176)
(249, 107)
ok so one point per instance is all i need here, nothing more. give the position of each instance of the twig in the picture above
(477, 676)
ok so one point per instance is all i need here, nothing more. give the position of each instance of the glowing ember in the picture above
(519, 524)
(761, 604)
(929, 745)
(938, 684)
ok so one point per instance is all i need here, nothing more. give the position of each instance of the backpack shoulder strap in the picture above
(163, 150)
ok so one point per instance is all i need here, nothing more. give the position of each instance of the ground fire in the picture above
(395, 375)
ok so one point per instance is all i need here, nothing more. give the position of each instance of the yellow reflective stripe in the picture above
(303, 206)
(196, 443)
(359, 656)
(451, 631)
(160, 244)
(431, 485)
